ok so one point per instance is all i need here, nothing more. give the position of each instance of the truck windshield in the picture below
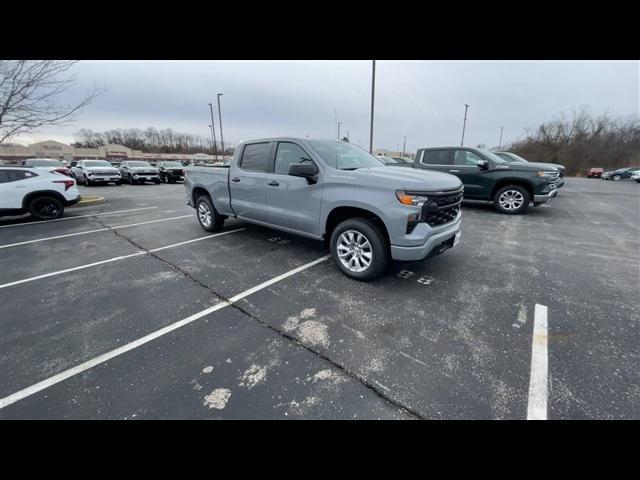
(97, 163)
(344, 156)
(492, 156)
(139, 164)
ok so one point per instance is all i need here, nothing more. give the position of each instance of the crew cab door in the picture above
(293, 202)
(477, 181)
(14, 186)
(247, 181)
(436, 159)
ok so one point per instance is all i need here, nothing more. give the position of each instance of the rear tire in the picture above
(207, 216)
(46, 208)
(359, 249)
(511, 199)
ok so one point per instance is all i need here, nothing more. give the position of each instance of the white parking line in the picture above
(113, 259)
(24, 393)
(538, 386)
(93, 231)
(78, 216)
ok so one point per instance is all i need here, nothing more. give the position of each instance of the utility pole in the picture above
(373, 90)
(339, 123)
(335, 124)
(213, 134)
(500, 142)
(466, 107)
(220, 117)
(348, 137)
(404, 146)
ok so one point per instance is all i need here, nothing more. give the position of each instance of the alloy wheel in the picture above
(354, 251)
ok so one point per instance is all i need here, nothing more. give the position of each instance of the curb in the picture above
(86, 200)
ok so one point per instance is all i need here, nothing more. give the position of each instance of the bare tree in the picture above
(30, 92)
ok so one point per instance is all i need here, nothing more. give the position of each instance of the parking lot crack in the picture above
(372, 386)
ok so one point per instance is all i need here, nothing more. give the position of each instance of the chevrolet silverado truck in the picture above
(510, 186)
(336, 192)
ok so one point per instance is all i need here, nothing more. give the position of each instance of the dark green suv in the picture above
(487, 177)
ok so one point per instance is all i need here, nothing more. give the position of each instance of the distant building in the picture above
(14, 153)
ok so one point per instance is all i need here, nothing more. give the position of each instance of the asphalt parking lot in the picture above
(100, 320)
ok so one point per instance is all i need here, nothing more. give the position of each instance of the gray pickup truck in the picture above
(333, 191)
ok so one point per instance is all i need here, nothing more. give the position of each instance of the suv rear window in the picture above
(435, 157)
(255, 157)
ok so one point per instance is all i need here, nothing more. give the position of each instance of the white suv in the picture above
(91, 172)
(42, 194)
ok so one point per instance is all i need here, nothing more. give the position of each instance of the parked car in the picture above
(403, 160)
(42, 194)
(512, 157)
(138, 171)
(511, 186)
(333, 191)
(595, 172)
(170, 171)
(392, 161)
(92, 172)
(48, 164)
(620, 174)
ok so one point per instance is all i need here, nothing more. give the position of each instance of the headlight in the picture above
(545, 174)
(411, 199)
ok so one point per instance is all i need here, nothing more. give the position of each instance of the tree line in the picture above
(583, 140)
(151, 140)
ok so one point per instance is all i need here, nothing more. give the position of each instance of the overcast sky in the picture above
(423, 100)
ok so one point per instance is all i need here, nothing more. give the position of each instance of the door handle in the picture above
(235, 179)
(273, 183)
(454, 171)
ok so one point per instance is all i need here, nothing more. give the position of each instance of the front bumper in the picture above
(545, 198)
(439, 241)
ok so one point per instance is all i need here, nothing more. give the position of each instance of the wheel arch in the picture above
(29, 197)
(340, 213)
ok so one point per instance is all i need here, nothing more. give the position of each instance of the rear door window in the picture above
(255, 157)
(16, 175)
(436, 157)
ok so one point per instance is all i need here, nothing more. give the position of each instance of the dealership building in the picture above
(14, 153)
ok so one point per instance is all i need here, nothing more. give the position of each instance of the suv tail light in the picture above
(67, 183)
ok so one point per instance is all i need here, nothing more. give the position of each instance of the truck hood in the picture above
(143, 169)
(102, 169)
(529, 166)
(412, 179)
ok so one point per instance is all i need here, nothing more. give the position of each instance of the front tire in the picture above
(87, 182)
(617, 177)
(46, 208)
(359, 249)
(512, 199)
(207, 216)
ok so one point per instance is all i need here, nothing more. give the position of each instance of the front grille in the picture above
(442, 207)
(105, 174)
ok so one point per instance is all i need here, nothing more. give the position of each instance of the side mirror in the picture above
(306, 170)
(483, 164)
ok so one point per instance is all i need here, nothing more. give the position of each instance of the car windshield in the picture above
(44, 163)
(491, 156)
(97, 163)
(139, 164)
(172, 164)
(344, 156)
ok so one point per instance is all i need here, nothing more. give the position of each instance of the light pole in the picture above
(466, 107)
(220, 118)
(213, 133)
(500, 142)
(339, 123)
(373, 90)
(404, 146)
(348, 138)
